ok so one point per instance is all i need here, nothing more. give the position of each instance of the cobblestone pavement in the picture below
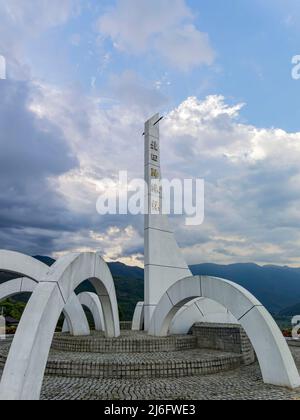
(128, 342)
(242, 384)
(133, 366)
(128, 358)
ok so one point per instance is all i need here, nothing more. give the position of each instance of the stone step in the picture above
(138, 366)
(128, 342)
(293, 343)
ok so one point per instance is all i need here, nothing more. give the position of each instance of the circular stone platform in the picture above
(132, 356)
(137, 366)
(128, 342)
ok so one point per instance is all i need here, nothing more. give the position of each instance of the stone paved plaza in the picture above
(241, 384)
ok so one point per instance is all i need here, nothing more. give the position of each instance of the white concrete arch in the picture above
(200, 310)
(92, 302)
(72, 311)
(138, 317)
(275, 359)
(33, 271)
(22, 265)
(75, 315)
(24, 370)
(17, 286)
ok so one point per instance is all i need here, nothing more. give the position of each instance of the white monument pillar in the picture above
(164, 264)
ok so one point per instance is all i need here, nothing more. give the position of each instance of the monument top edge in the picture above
(153, 119)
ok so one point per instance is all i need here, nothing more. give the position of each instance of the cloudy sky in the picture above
(82, 77)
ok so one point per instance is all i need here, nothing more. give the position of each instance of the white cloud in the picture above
(164, 27)
(48, 200)
(186, 48)
(113, 244)
(130, 89)
(132, 23)
(252, 176)
(22, 22)
(37, 15)
(252, 184)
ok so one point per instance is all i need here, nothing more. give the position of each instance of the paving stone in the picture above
(241, 384)
(128, 342)
(244, 383)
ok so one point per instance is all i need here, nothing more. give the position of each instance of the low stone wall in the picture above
(128, 342)
(225, 337)
(125, 325)
(145, 368)
(170, 364)
(7, 339)
(293, 343)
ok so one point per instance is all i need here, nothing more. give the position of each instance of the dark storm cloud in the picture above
(31, 152)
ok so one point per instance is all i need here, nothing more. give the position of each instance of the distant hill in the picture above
(290, 311)
(278, 288)
(129, 283)
(46, 260)
(122, 270)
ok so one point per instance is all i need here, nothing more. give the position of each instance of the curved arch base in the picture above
(31, 271)
(73, 311)
(200, 311)
(138, 317)
(275, 359)
(24, 371)
(92, 302)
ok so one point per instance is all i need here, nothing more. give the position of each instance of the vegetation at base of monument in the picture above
(11, 330)
(13, 308)
(287, 333)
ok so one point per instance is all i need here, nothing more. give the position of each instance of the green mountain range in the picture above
(278, 288)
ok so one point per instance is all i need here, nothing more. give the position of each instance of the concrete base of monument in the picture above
(135, 355)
